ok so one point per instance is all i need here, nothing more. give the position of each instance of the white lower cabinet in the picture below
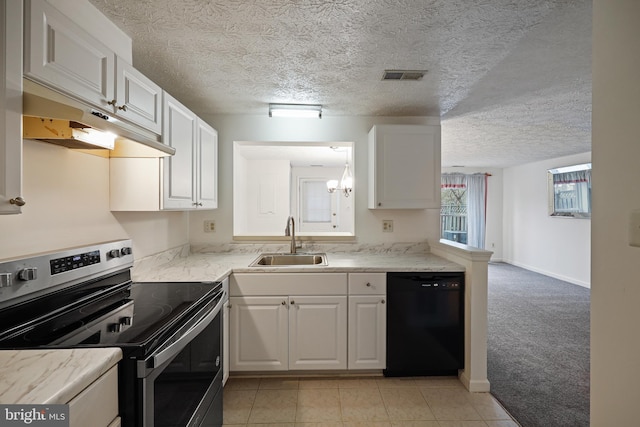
(283, 321)
(317, 332)
(258, 334)
(367, 321)
(97, 405)
(275, 333)
(367, 331)
(307, 321)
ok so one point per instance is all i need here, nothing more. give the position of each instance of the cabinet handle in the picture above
(293, 302)
(122, 107)
(382, 301)
(18, 201)
(284, 303)
(368, 284)
(113, 102)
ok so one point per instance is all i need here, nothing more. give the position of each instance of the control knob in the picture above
(114, 253)
(126, 251)
(29, 273)
(126, 321)
(115, 327)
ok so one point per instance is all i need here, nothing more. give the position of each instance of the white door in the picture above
(258, 334)
(178, 170)
(367, 332)
(138, 99)
(317, 332)
(206, 166)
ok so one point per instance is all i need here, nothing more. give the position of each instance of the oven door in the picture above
(180, 384)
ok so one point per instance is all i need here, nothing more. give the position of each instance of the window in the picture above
(453, 214)
(463, 208)
(317, 206)
(570, 191)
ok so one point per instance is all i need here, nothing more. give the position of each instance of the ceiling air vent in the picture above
(403, 74)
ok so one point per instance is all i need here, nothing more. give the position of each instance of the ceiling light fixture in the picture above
(296, 110)
(346, 182)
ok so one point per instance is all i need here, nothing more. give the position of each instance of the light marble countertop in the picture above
(217, 266)
(51, 376)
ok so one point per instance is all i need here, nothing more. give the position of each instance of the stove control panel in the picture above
(25, 278)
(73, 262)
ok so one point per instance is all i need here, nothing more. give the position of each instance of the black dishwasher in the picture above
(425, 323)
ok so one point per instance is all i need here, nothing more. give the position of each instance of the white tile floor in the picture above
(359, 402)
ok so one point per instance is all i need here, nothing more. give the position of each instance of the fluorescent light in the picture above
(295, 110)
(95, 137)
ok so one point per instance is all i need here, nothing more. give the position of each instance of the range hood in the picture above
(52, 117)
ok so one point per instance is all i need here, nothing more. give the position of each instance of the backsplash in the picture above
(147, 264)
(370, 248)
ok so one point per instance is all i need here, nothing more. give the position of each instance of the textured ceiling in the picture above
(510, 79)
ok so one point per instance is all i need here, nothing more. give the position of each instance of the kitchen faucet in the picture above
(290, 230)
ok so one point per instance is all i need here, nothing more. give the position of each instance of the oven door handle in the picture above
(176, 347)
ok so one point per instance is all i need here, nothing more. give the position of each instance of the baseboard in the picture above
(550, 274)
(474, 386)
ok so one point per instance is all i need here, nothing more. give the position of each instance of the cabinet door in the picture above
(367, 332)
(317, 332)
(258, 333)
(63, 56)
(10, 106)
(404, 167)
(179, 131)
(206, 166)
(138, 99)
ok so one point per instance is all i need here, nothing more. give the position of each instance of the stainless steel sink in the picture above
(283, 260)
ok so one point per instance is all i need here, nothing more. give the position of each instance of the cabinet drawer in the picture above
(245, 284)
(96, 405)
(367, 283)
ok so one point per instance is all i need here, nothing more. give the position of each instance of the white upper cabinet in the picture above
(179, 132)
(404, 167)
(137, 97)
(11, 107)
(190, 176)
(206, 170)
(63, 56)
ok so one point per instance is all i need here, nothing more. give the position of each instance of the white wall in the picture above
(263, 205)
(493, 237)
(557, 247)
(615, 292)
(409, 225)
(67, 196)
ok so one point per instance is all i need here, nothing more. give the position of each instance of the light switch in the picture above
(634, 228)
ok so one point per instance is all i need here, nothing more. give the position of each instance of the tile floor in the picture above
(359, 402)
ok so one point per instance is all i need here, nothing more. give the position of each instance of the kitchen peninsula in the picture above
(218, 262)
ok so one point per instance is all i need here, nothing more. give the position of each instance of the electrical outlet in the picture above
(387, 225)
(209, 226)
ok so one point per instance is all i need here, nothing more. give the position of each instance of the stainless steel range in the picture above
(169, 332)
